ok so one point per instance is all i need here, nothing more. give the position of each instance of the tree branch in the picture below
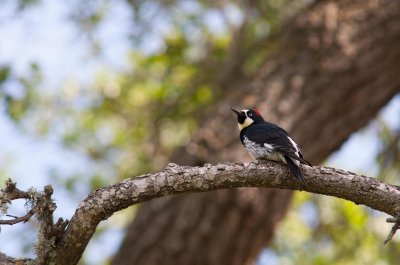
(43, 207)
(16, 219)
(102, 203)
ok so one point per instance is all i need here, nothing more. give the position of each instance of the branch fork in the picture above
(43, 207)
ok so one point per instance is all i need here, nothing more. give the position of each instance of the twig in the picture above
(16, 220)
(395, 227)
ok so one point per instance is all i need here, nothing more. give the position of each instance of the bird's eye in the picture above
(250, 114)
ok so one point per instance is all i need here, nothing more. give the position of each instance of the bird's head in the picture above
(247, 117)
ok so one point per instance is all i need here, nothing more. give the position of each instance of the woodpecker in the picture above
(264, 140)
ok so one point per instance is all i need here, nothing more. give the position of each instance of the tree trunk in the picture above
(332, 69)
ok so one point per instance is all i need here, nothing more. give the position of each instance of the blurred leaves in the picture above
(132, 121)
(4, 73)
(22, 96)
(389, 156)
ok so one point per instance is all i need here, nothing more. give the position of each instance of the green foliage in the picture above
(4, 73)
(18, 103)
(389, 156)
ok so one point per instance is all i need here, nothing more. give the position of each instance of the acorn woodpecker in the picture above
(264, 140)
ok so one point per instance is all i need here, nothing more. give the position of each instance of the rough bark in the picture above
(68, 244)
(332, 69)
(102, 203)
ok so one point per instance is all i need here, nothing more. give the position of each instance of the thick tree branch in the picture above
(102, 203)
(65, 246)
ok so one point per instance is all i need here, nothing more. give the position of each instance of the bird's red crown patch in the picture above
(257, 112)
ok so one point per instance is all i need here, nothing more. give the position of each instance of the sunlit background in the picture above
(63, 68)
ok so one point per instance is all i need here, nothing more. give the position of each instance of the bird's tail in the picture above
(295, 169)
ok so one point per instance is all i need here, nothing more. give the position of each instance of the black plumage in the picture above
(262, 132)
(264, 140)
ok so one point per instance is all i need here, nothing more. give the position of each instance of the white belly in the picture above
(264, 152)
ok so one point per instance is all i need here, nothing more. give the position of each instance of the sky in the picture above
(44, 34)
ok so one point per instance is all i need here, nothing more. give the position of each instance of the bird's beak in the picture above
(237, 112)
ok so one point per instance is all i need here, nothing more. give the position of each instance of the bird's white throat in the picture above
(247, 122)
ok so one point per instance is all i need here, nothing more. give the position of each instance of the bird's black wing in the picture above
(268, 133)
